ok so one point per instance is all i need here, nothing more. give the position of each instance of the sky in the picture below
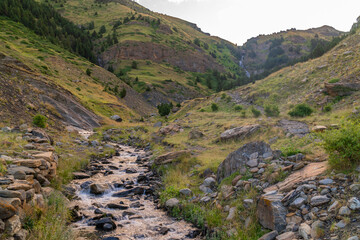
(239, 20)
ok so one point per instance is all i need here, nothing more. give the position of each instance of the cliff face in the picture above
(188, 60)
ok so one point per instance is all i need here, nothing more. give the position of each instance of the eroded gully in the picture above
(114, 200)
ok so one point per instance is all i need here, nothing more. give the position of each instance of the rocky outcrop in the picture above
(170, 157)
(248, 156)
(239, 133)
(195, 134)
(170, 129)
(341, 88)
(296, 128)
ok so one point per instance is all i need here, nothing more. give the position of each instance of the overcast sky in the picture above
(239, 20)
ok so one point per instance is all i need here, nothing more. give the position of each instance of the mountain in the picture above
(265, 54)
(175, 60)
(40, 77)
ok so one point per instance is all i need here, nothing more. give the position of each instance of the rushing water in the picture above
(242, 65)
(141, 220)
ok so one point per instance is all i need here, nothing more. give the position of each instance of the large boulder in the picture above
(195, 134)
(296, 128)
(237, 160)
(341, 88)
(271, 212)
(239, 133)
(116, 118)
(170, 157)
(6, 209)
(170, 129)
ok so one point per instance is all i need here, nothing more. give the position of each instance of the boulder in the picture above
(271, 212)
(170, 157)
(48, 156)
(170, 129)
(116, 118)
(13, 225)
(239, 133)
(105, 224)
(28, 171)
(195, 134)
(185, 192)
(296, 128)
(305, 231)
(6, 209)
(237, 160)
(354, 203)
(20, 185)
(341, 88)
(10, 194)
(31, 163)
(97, 188)
(21, 235)
(172, 202)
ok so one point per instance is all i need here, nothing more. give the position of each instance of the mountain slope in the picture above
(267, 53)
(53, 82)
(124, 31)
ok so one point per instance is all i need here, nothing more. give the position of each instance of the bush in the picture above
(134, 65)
(272, 111)
(123, 93)
(214, 107)
(88, 72)
(343, 146)
(40, 121)
(327, 108)
(238, 108)
(301, 110)
(255, 112)
(334, 80)
(164, 109)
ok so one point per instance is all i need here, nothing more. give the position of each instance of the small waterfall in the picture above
(241, 64)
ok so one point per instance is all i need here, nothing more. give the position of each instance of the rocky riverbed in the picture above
(114, 199)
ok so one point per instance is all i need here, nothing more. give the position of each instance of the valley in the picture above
(142, 126)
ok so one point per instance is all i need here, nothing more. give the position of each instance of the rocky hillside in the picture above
(267, 53)
(66, 88)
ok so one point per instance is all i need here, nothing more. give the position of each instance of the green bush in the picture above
(134, 65)
(272, 111)
(40, 121)
(164, 109)
(255, 112)
(301, 110)
(88, 72)
(327, 108)
(343, 146)
(334, 80)
(214, 107)
(238, 108)
(123, 93)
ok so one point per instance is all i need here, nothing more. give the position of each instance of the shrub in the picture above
(327, 108)
(255, 112)
(334, 80)
(272, 111)
(40, 120)
(164, 109)
(178, 105)
(343, 146)
(123, 93)
(238, 108)
(88, 72)
(134, 65)
(214, 107)
(301, 110)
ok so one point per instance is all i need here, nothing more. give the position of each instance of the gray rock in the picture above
(319, 200)
(269, 236)
(248, 203)
(205, 199)
(353, 238)
(354, 203)
(326, 181)
(271, 212)
(252, 163)
(80, 175)
(116, 118)
(232, 214)
(296, 128)
(333, 206)
(185, 192)
(13, 225)
(298, 202)
(286, 236)
(158, 124)
(195, 134)
(97, 188)
(21, 235)
(305, 231)
(239, 133)
(344, 211)
(237, 160)
(205, 189)
(209, 182)
(341, 224)
(317, 229)
(172, 202)
(355, 187)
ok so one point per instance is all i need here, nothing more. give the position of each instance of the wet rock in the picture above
(171, 203)
(354, 203)
(305, 231)
(136, 205)
(271, 212)
(117, 206)
(80, 175)
(163, 230)
(105, 224)
(170, 157)
(185, 192)
(269, 236)
(136, 191)
(130, 170)
(286, 236)
(142, 178)
(237, 160)
(97, 188)
(239, 133)
(319, 200)
(111, 238)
